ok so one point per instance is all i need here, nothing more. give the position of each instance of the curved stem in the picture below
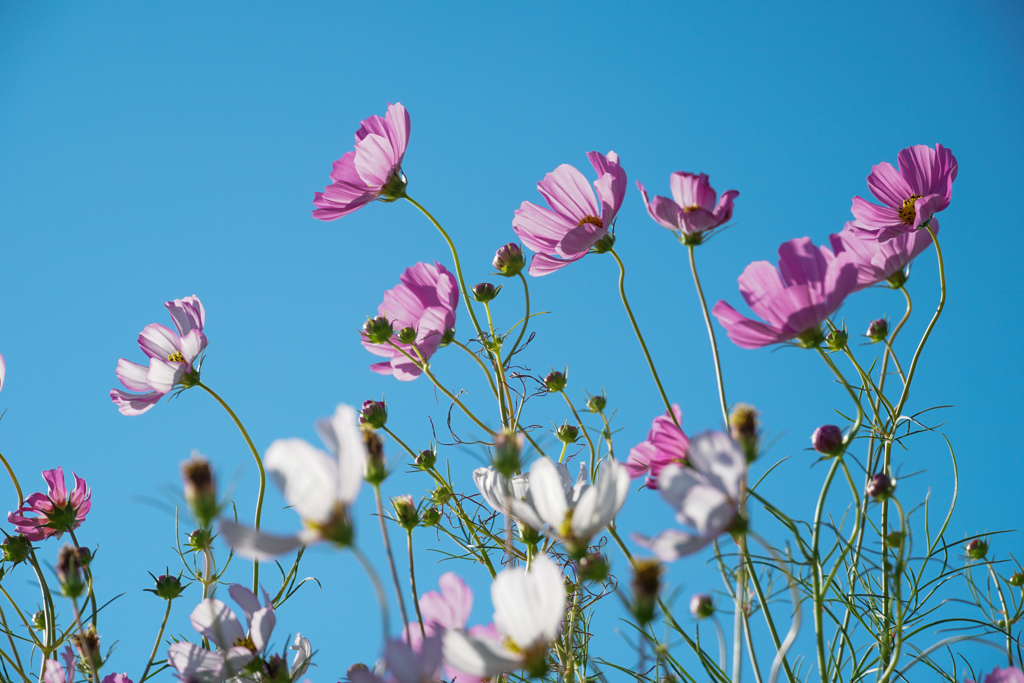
(640, 338)
(526, 318)
(892, 338)
(262, 472)
(586, 435)
(391, 560)
(156, 645)
(378, 587)
(711, 337)
(50, 635)
(412, 582)
(21, 615)
(14, 480)
(14, 649)
(487, 373)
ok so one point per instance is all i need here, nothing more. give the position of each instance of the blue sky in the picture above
(153, 151)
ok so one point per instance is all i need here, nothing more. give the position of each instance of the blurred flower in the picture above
(56, 510)
(319, 487)
(425, 300)
(705, 495)
(117, 678)
(881, 261)
(808, 286)
(406, 664)
(666, 443)
(1010, 674)
(171, 358)
(575, 222)
(701, 606)
(878, 330)
(3, 371)
(692, 210)
(881, 486)
(528, 612)
(372, 170)
(911, 196)
(55, 672)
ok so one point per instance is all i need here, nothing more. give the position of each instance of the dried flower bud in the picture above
(701, 606)
(881, 486)
(485, 292)
(878, 330)
(15, 549)
(828, 440)
(1016, 579)
(431, 517)
(88, 645)
(508, 260)
(200, 489)
(426, 459)
(376, 465)
(646, 586)
(567, 433)
(555, 381)
(745, 429)
(594, 567)
(373, 413)
(506, 453)
(405, 512)
(976, 549)
(168, 586)
(70, 562)
(378, 330)
(836, 340)
(407, 335)
(596, 403)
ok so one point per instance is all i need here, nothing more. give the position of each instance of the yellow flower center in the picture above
(176, 357)
(907, 212)
(244, 642)
(593, 220)
(688, 209)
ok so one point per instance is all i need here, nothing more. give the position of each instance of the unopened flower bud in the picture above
(378, 330)
(508, 260)
(275, 670)
(431, 517)
(506, 453)
(596, 404)
(376, 466)
(878, 330)
(701, 606)
(828, 440)
(881, 486)
(405, 512)
(426, 459)
(529, 536)
(1016, 579)
(894, 539)
(440, 496)
(646, 586)
(374, 414)
(976, 549)
(836, 340)
(200, 489)
(745, 429)
(15, 549)
(594, 567)
(485, 292)
(357, 668)
(407, 335)
(70, 562)
(88, 645)
(168, 586)
(567, 433)
(39, 620)
(200, 540)
(447, 338)
(555, 381)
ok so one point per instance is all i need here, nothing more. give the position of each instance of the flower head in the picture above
(808, 286)
(56, 511)
(1010, 674)
(693, 209)
(576, 221)
(424, 302)
(705, 495)
(171, 358)
(373, 170)
(666, 443)
(321, 488)
(881, 261)
(910, 197)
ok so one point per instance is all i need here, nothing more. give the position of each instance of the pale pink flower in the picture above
(3, 371)
(576, 221)
(911, 196)
(117, 678)
(171, 358)
(373, 170)
(55, 672)
(882, 261)
(1010, 674)
(405, 664)
(424, 300)
(693, 209)
(56, 511)
(807, 287)
(666, 443)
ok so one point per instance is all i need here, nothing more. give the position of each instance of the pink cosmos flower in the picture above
(425, 300)
(692, 210)
(881, 261)
(808, 286)
(666, 443)
(911, 196)
(171, 358)
(55, 672)
(405, 664)
(372, 170)
(1010, 674)
(57, 510)
(3, 371)
(117, 678)
(576, 221)
(705, 495)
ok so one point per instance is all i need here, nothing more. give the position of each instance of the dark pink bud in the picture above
(881, 486)
(828, 440)
(373, 413)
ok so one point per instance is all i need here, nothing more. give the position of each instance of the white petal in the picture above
(246, 599)
(262, 627)
(491, 485)
(718, 457)
(343, 438)
(672, 544)
(306, 476)
(215, 620)
(196, 663)
(529, 606)
(478, 656)
(257, 545)
(548, 492)
(303, 655)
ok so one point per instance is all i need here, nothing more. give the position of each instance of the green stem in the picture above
(586, 435)
(156, 645)
(526, 319)
(640, 338)
(14, 649)
(711, 336)
(262, 472)
(391, 559)
(50, 635)
(88, 577)
(487, 373)
(412, 582)
(378, 587)
(85, 652)
(14, 480)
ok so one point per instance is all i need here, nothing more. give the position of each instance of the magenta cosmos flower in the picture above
(576, 220)
(881, 261)
(56, 510)
(808, 286)
(911, 196)
(373, 170)
(693, 209)
(425, 301)
(666, 444)
(171, 358)
(1008, 675)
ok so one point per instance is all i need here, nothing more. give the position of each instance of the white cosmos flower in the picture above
(320, 487)
(528, 611)
(705, 495)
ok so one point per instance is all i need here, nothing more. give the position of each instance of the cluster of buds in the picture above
(200, 489)
(745, 429)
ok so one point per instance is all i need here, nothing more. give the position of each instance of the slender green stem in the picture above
(586, 435)
(24, 619)
(458, 265)
(88, 578)
(750, 649)
(262, 472)
(85, 652)
(14, 480)
(50, 635)
(14, 648)
(378, 587)
(504, 395)
(1006, 613)
(711, 337)
(487, 373)
(156, 645)
(391, 558)
(412, 582)
(640, 338)
(526, 318)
